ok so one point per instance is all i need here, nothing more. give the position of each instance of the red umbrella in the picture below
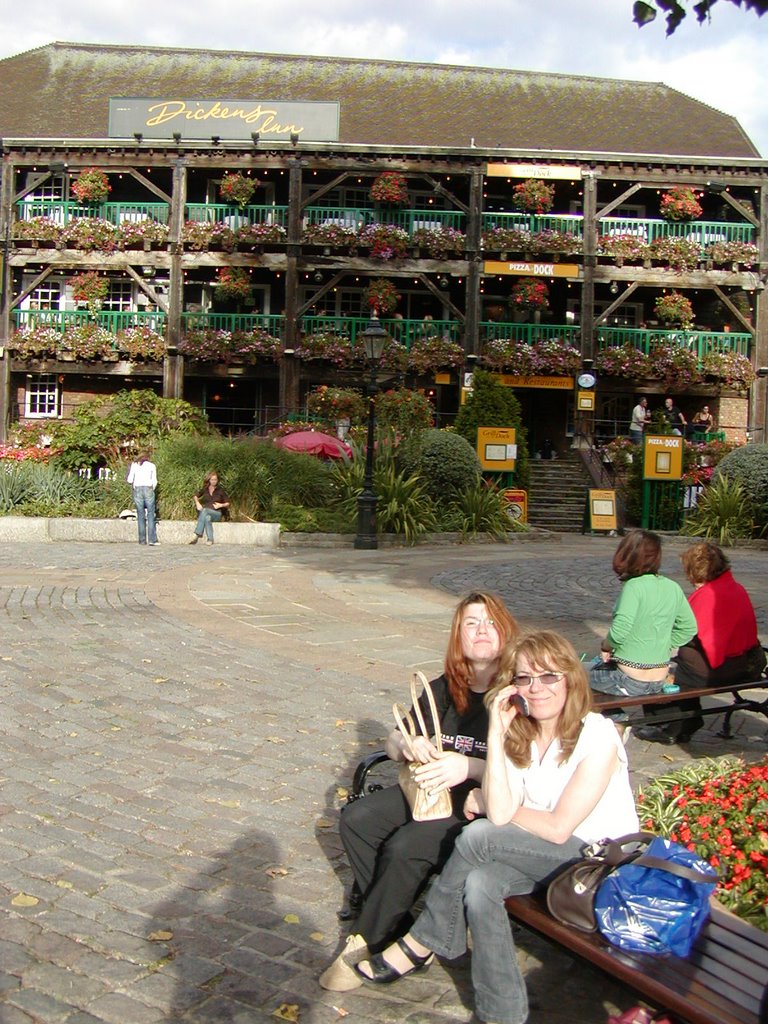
(312, 442)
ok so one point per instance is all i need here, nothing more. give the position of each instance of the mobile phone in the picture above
(517, 700)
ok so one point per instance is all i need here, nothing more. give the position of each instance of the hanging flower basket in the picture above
(334, 404)
(237, 188)
(233, 283)
(89, 289)
(381, 296)
(530, 293)
(675, 309)
(534, 196)
(390, 187)
(91, 186)
(680, 204)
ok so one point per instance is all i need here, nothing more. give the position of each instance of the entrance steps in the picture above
(558, 492)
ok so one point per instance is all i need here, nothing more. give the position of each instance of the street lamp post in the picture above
(374, 336)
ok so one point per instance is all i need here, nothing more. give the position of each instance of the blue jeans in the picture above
(205, 519)
(488, 864)
(607, 677)
(144, 500)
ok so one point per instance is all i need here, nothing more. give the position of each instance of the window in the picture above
(42, 396)
(119, 297)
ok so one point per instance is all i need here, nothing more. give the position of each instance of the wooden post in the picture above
(758, 412)
(474, 273)
(590, 262)
(289, 365)
(6, 281)
(173, 364)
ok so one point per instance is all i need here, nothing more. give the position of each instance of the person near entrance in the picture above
(637, 423)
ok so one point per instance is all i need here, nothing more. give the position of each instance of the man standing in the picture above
(674, 417)
(143, 478)
(637, 423)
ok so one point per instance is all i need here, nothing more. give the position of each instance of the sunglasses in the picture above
(547, 678)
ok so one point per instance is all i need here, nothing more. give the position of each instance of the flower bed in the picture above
(434, 353)
(337, 236)
(141, 343)
(137, 234)
(440, 242)
(91, 234)
(623, 361)
(718, 808)
(385, 241)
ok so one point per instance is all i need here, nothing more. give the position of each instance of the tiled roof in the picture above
(62, 91)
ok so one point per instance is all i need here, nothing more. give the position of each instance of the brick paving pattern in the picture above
(178, 729)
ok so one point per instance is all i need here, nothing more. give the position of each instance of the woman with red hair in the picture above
(392, 856)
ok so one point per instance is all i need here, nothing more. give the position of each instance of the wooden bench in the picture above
(722, 981)
(739, 702)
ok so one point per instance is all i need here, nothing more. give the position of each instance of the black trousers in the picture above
(392, 858)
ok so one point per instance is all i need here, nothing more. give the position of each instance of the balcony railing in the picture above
(268, 322)
(61, 212)
(705, 232)
(566, 224)
(700, 342)
(112, 320)
(530, 333)
(233, 216)
(405, 332)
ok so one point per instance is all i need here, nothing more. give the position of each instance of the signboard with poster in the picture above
(517, 504)
(601, 510)
(663, 457)
(497, 448)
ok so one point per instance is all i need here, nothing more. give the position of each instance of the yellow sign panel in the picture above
(531, 269)
(517, 504)
(602, 510)
(585, 401)
(496, 448)
(508, 380)
(442, 378)
(663, 457)
(556, 172)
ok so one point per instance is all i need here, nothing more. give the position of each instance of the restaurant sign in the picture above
(530, 269)
(226, 119)
(560, 172)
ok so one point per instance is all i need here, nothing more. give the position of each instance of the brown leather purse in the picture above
(425, 805)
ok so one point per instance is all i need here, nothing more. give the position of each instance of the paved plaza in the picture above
(178, 730)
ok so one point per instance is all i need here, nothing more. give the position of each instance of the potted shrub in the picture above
(390, 188)
(237, 188)
(674, 309)
(89, 289)
(534, 196)
(91, 186)
(381, 296)
(530, 293)
(680, 204)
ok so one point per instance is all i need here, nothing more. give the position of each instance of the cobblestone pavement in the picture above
(178, 728)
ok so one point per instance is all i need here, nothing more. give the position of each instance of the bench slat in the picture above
(697, 989)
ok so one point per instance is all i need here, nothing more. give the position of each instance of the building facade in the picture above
(224, 235)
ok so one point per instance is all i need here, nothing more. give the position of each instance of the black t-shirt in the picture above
(467, 733)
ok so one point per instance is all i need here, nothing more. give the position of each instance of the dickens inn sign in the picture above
(164, 117)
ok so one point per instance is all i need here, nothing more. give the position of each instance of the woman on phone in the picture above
(555, 781)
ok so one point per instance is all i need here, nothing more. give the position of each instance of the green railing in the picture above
(409, 220)
(530, 333)
(63, 211)
(700, 342)
(112, 320)
(233, 216)
(268, 322)
(704, 232)
(406, 332)
(566, 224)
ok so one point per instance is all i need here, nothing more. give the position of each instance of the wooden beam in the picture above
(730, 306)
(444, 300)
(321, 291)
(147, 289)
(618, 200)
(31, 287)
(616, 303)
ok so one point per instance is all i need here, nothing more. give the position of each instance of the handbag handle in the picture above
(674, 869)
(404, 719)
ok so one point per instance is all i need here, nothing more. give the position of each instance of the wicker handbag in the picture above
(425, 805)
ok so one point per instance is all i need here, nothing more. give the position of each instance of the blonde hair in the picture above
(547, 650)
